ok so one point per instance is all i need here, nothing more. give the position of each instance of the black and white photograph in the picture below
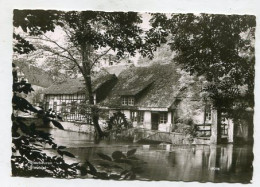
(132, 96)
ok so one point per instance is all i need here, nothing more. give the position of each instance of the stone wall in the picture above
(69, 126)
(141, 134)
(199, 140)
(76, 127)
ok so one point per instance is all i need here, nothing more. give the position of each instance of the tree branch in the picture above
(57, 53)
(70, 38)
(54, 42)
(71, 57)
(103, 54)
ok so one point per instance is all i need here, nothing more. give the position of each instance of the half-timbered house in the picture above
(154, 97)
(69, 98)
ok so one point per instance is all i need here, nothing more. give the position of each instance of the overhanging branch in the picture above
(100, 56)
(69, 57)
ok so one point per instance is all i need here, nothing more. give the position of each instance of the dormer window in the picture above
(126, 100)
(131, 101)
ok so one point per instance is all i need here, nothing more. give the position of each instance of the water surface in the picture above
(203, 163)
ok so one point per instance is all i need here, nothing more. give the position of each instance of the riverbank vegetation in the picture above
(29, 157)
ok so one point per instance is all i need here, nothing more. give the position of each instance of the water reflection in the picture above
(202, 163)
(222, 163)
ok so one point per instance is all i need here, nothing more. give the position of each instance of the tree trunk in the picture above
(216, 127)
(250, 122)
(89, 94)
(94, 109)
(219, 112)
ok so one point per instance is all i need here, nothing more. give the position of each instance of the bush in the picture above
(186, 127)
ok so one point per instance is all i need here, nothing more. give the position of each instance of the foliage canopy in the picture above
(219, 47)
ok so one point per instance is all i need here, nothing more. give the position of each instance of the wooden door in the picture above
(155, 121)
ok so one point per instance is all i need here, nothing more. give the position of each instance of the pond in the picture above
(203, 163)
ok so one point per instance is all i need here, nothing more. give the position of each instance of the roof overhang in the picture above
(158, 109)
(155, 109)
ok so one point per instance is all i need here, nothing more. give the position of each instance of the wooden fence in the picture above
(205, 130)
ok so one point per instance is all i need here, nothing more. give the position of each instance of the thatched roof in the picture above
(158, 84)
(135, 89)
(68, 86)
(155, 86)
(73, 86)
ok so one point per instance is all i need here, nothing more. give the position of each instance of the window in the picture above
(73, 107)
(208, 116)
(208, 113)
(224, 129)
(131, 101)
(47, 98)
(128, 101)
(134, 116)
(124, 101)
(55, 106)
(63, 107)
(68, 107)
(141, 116)
(163, 117)
(137, 116)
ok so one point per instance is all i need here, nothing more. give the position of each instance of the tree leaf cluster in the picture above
(28, 159)
(219, 47)
(118, 166)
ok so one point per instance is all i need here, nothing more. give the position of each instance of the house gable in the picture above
(154, 86)
(101, 84)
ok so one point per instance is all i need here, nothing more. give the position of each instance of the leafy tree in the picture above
(28, 141)
(28, 159)
(219, 47)
(162, 55)
(88, 37)
(35, 22)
